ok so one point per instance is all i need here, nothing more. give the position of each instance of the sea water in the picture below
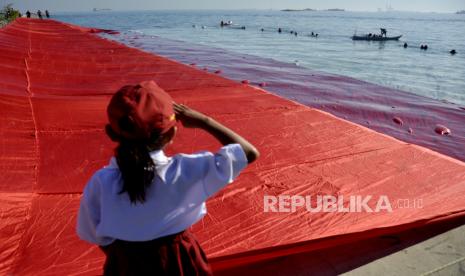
(433, 73)
(362, 82)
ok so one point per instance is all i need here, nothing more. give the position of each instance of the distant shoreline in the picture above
(308, 9)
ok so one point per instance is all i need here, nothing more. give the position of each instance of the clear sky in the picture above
(354, 5)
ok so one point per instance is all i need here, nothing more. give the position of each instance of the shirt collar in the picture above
(159, 158)
(161, 163)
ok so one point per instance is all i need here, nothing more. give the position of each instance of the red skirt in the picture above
(177, 254)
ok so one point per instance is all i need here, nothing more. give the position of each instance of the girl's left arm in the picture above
(89, 213)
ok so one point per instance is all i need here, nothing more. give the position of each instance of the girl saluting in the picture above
(140, 207)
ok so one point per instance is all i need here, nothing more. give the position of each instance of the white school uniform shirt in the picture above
(174, 201)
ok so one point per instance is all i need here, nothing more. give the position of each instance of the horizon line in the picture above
(251, 9)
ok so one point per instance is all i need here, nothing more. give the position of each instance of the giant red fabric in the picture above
(56, 80)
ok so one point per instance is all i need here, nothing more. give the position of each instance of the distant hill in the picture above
(461, 12)
(335, 10)
(291, 10)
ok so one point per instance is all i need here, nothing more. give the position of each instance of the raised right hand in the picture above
(189, 117)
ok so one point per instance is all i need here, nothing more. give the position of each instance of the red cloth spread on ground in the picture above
(56, 81)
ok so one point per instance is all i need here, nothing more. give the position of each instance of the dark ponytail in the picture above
(137, 169)
(135, 164)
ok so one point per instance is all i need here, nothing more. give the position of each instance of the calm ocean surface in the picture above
(433, 73)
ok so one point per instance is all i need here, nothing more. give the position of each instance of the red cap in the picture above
(136, 111)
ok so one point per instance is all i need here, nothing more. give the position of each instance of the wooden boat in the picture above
(375, 37)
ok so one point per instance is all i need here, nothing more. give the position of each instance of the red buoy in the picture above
(442, 130)
(398, 121)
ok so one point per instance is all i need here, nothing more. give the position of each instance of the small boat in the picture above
(375, 37)
(230, 25)
(238, 27)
